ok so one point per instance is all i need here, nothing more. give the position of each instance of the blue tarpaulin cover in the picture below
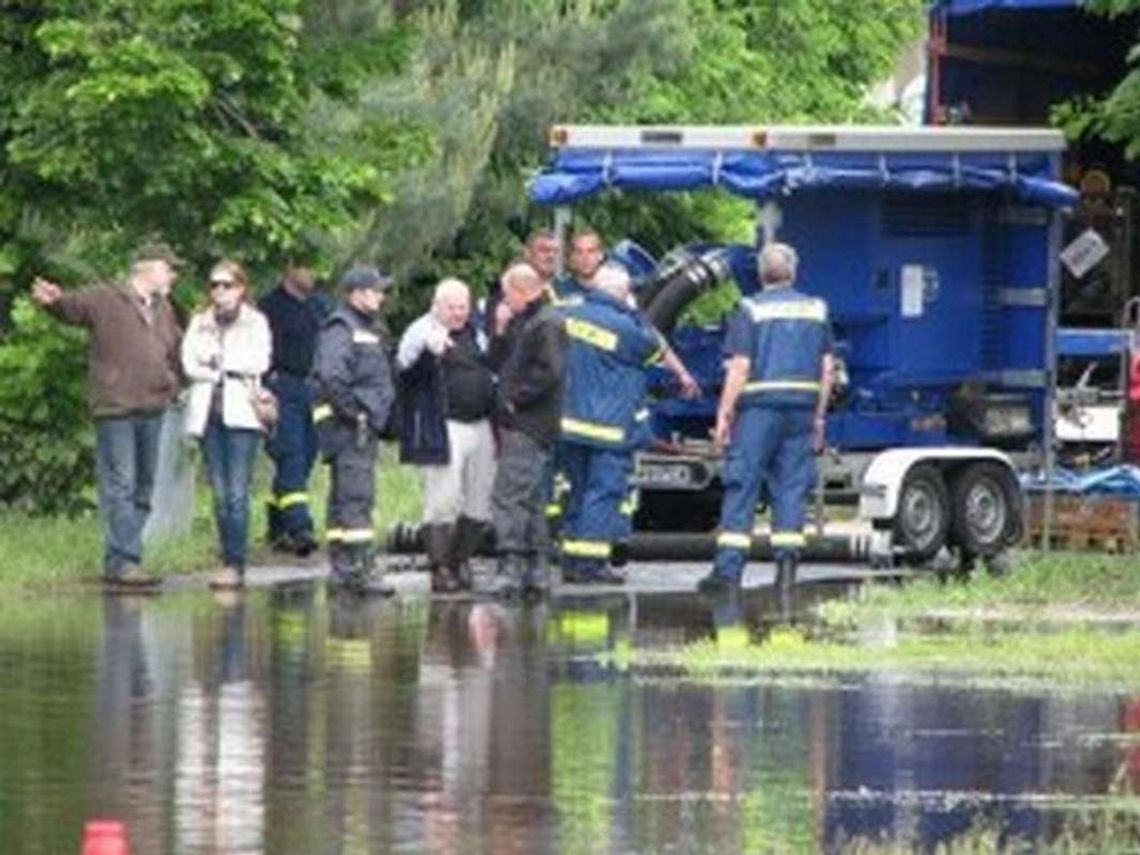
(576, 174)
(969, 7)
(1122, 481)
(1076, 341)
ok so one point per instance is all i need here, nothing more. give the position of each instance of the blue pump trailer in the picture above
(936, 250)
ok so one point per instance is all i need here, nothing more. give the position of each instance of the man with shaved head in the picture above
(527, 351)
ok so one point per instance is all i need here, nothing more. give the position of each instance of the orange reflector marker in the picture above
(559, 136)
(105, 837)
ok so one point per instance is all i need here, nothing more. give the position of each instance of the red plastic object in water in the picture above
(1132, 412)
(105, 837)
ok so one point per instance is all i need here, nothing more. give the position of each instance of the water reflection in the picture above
(289, 721)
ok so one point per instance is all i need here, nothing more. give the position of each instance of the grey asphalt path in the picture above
(642, 577)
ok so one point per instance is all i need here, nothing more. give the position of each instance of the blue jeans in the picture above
(126, 455)
(229, 454)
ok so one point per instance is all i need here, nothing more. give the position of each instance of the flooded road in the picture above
(285, 721)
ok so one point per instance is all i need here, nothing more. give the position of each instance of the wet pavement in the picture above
(288, 720)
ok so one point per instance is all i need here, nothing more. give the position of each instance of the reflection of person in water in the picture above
(219, 785)
(129, 759)
(518, 786)
(453, 721)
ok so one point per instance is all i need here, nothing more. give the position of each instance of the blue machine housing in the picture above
(937, 266)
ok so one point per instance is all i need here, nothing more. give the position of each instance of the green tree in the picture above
(641, 61)
(1115, 116)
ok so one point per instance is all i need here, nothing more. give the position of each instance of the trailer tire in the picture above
(986, 514)
(922, 519)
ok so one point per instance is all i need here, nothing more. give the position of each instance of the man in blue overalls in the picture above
(771, 416)
(295, 313)
(611, 347)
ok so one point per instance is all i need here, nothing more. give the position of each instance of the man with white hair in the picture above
(527, 351)
(772, 417)
(448, 396)
(611, 348)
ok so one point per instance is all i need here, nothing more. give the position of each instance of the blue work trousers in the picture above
(772, 445)
(592, 518)
(126, 457)
(293, 449)
(229, 454)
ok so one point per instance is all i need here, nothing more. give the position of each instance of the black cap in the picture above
(364, 276)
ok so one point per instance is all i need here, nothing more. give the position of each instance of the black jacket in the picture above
(530, 358)
(433, 389)
(351, 378)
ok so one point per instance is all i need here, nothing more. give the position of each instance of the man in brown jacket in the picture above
(133, 377)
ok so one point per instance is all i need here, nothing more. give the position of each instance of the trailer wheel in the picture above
(923, 516)
(986, 516)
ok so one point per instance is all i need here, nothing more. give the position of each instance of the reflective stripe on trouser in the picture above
(463, 485)
(352, 491)
(770, 444)
(293, 448)
(599, 483)
(518, 499)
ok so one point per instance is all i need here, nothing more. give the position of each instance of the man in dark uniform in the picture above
(353, 388)
(771, 415)
(527, 351)
(295, 314)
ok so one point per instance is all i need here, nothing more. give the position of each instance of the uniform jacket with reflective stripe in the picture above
(351, 372)
(785, 334)
(611, 347)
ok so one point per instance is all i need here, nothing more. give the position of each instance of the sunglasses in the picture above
(223, 283)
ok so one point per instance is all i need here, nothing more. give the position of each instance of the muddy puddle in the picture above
(286, 721)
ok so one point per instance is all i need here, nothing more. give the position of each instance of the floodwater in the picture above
(285, 721)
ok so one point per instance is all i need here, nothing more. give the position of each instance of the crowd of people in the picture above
(544, 384)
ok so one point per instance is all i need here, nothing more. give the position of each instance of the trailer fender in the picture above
(882, 481)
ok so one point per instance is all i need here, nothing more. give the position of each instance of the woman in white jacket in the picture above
(224, 353)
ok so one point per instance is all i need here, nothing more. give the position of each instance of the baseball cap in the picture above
(364, 276)
(156, 250)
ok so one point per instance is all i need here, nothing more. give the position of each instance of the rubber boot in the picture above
(340, 566)
(277, 538)
(438, 546)
(366, 581)
(786, 582)
(536, 577)
(469, 537)
(509, 575)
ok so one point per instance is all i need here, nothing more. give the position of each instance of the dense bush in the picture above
(46, 439)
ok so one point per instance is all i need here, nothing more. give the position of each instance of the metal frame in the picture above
(848, 138)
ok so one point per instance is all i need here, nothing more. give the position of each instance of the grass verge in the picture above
(1052, 585)
(1076, 657)
(43, 553)
(1044, 623)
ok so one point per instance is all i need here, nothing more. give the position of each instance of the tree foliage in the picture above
(1114, 116)
(389, 129)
